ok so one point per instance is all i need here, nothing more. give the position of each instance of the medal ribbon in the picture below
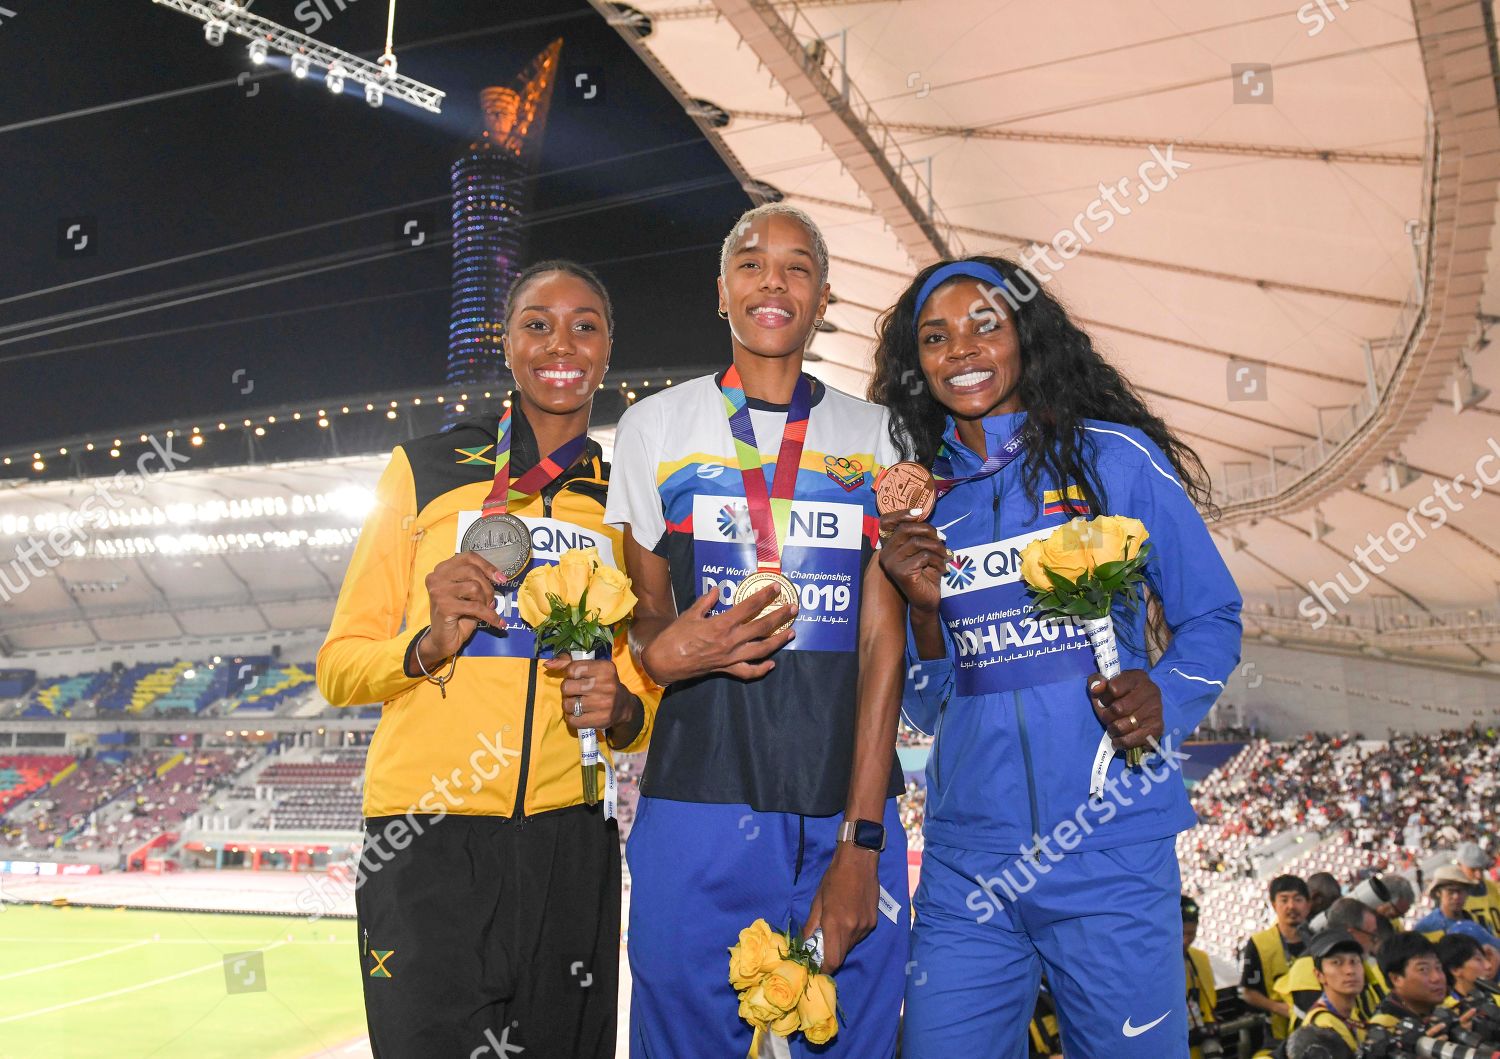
(770, 513)
(998, 460)
(504, 491)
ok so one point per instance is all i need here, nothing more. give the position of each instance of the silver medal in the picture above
(503, 541)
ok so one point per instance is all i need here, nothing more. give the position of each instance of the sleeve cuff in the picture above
(409, 665)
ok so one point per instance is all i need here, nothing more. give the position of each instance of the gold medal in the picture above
(905, 486)
(786, 592)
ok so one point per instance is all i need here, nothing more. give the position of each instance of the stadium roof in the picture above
(1299, 302)
(1306, 302)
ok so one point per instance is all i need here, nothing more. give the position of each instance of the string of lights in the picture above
(42, 460)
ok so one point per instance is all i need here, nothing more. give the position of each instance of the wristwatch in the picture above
(866, 834)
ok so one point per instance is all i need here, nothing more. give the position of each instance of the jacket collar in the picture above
(998, 429)
(524, 453)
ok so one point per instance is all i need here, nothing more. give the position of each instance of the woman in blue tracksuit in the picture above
(1023, 870)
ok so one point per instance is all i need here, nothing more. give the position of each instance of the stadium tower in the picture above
(491, 196)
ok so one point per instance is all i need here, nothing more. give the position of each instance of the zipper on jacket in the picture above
(937, 735)
(519, 816)
(1036, 827)
(1036, 824)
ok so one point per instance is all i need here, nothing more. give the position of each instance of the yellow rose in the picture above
(818, 1010)
(1131, 533)
(532, 599)
(575, 568)
(746, 1014)
(784, 985)
(1063, 551)
(757, 1010)
(610, 595)
(1031, 567)
(787, 1025)
(759, 950)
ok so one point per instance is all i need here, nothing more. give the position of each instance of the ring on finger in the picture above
(578, 706)
(1133, 722)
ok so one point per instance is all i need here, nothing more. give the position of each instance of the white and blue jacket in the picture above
(1015, 731)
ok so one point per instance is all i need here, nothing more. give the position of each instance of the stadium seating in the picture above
(195, 689)
(274, 687)
(315, 796)
(21, 775)
(57, 697)
(140, 685)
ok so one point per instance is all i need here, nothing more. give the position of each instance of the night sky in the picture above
(235, 162)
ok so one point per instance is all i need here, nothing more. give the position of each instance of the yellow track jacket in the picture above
(496, 745)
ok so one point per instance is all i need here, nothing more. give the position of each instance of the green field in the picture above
(94, 982)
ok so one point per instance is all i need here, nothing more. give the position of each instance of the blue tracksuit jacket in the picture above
(1015, 730)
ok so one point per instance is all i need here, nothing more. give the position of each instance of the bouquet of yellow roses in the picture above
(780, 988)
(1076, 572)
(575, 606)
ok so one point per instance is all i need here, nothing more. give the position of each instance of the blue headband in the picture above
(972, 269)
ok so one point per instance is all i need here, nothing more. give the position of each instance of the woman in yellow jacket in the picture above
(489, 887)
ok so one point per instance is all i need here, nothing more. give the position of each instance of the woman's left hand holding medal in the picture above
(912, 554)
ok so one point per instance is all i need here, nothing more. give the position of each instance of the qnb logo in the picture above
(960, 572)
(734, 521)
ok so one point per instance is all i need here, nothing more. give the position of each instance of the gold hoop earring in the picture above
(723, 315)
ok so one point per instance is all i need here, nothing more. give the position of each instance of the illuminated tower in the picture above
(491, 197)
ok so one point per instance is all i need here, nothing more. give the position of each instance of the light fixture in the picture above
(266, 36)
(374, 94)
(197, 440)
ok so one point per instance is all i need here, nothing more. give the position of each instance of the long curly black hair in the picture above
(1064, 381)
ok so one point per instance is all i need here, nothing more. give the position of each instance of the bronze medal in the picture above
(786, 592)
(905, 486)
(503, 540)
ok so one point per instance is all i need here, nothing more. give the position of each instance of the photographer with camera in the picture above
(1202, 991)
(1301, 986)
(1269, 954)
(1339, 963)
(1419, 988)
(1467, 965)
